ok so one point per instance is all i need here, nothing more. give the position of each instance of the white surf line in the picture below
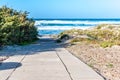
(62, 28)
(76, 22)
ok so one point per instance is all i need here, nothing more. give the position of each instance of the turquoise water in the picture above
(56, 26)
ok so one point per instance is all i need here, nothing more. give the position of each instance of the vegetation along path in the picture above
(44, 60)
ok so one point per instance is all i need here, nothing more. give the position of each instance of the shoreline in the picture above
(55, 25)
(64, 28)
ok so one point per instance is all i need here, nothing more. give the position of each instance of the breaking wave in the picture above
(51, 26)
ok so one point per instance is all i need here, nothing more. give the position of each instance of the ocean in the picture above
(56, 26)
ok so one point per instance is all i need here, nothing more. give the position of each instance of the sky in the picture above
(67, 8)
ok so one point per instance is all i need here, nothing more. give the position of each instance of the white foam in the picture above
(39, 23)
(62, 28)
(75, 22)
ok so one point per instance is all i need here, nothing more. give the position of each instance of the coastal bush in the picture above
(86, 40)
(110, 65)
(73, 32)
(106, 44)
(65, 36)
(75, 40)
(58, 41)
(16, 27)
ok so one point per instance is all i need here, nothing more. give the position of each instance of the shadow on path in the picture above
(42, 45)
(9, 65)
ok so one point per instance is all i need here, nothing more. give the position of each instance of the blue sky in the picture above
(67, 8)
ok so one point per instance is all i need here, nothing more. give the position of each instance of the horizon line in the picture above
(76, 18)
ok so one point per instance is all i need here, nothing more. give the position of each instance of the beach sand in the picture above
(105, 61)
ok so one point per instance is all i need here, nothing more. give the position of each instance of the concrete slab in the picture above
(77, 69)
(48, 62)
(9, 65)
(41, 66)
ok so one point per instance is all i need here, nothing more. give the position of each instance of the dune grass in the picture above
(105, 35)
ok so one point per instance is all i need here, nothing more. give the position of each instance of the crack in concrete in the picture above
(15, 68)
(64, 65)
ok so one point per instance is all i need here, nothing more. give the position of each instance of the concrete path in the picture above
(49, 62)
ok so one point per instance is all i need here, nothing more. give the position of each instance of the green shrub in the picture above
(110, 65)
(58, 41)
(75, 40)
(106, 44)
(86, 40)
(64, 36)
(80, 39)
(16, 27)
